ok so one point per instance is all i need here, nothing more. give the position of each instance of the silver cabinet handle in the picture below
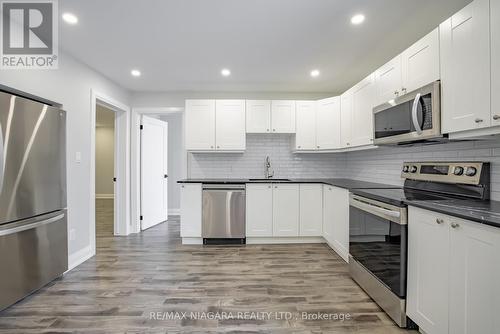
(478, 120)
(439, 221)
(30, 226)
(267, 130)
(274, 129)
(496, 117)
(414, 116)
(317, 146)
(211, 146)
(455, 225)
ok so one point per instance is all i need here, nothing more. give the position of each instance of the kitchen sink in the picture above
(270, 180)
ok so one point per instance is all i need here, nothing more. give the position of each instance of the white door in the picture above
(286, 210)
(340, 205)
(420, 62)
(328, 123)
(191, 206)
(428, 268)
(258, 116)
(495, 62)
(362, 112)
(328, 213)
(283, 116)
(305, 137)
(200, 125)
(154, 173)
(259, 210)
(465, 68)
(311, 210)
(474, 278)
(389, 80)
(346, 119)
(230, 133)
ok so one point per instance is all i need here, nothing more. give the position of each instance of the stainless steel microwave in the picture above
(413, 117)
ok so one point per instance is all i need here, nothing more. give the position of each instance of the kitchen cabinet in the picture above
(310, 210)
(495, 62)
(283, 116)
(465, 68)
(328, 124)
(286, 210)
(258, 116)
(336, 219)
(346, 119)
(453, 274)
(389, 81)
(259, 210)
(191, 207)
(200, 124)
(230, 133)
(362, 112)
(305, 137)
(420, 63)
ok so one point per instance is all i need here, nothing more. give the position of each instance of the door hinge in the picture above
(140, 218)
(141, 127)
(165, 176)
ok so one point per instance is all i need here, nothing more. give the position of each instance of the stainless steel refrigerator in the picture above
(33, 219)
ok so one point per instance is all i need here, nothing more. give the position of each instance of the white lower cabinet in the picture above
(453, 274)
(336, 219)
(259, 210)
(311, 210)
(286, 210)
(191, 206)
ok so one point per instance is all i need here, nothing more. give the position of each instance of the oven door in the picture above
(378, 240)
(411, 117)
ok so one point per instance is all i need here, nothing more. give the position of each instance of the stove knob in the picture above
(471, 171)
(406, 169)
(458, 171)
(413, 169)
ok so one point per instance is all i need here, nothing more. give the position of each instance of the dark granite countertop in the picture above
(485, 212)
(341, 183)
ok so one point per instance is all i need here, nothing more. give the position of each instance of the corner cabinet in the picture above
(191, 207)
(346, 119)
(336, 219)
(453, 274)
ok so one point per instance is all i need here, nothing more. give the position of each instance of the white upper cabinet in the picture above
(283, 116)
(286, 210)
(328, 123)
(311, 210)
(200, 124)
(259, 210)
(420, 63)
(258, 114)
(389, 81)
(495, 62)
(465, 68)
(362, 112)
(346, 119)
(305, 138)
(230, 133)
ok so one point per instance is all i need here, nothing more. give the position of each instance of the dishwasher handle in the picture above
(231, 187)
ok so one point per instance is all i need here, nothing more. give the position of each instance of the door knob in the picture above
(478, 120)
(403, 90)
(439, 221)
(455, 225)
(165, 176)
(114, 179)
(496, 117)
(396, 93)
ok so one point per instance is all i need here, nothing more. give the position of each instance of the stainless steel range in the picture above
(378, 226)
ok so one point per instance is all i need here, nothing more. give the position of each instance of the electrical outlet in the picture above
(72, 234)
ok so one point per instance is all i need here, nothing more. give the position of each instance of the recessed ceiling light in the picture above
(358, 19)
(135, 73)
(315, 73)
(225, 72)
(70, 18)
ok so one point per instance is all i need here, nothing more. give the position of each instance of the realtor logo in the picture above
(29, 34)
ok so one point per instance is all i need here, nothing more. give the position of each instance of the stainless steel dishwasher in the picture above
(223, 214)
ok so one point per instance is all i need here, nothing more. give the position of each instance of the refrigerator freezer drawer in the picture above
(32, 253)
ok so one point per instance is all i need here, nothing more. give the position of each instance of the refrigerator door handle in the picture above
(2, 164)
(30, 226)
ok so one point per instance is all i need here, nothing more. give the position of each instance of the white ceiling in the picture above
(269, 45)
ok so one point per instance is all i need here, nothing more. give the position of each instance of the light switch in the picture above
(78, 157)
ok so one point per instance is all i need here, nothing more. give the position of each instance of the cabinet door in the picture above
(191, 203)
(259, 210)
(258, 114)
(329, 214)
(230, 131)
(346, 119)
(305, 138)
(474, 278)
(340, 202)
(328, 123)
(495, 62)
(420, 62)
(428, 268)
(362, 112)
(283, 116)
(465, 68)
(311, 210)
(389, 81)
(200, 124)
(286, 210)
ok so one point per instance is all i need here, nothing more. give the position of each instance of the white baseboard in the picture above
(77, 258)
(340, 250)
(104, 196)
(192, 241)
(284, 240)
(174, 212)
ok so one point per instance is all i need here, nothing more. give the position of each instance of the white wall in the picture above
(71, 85)
(104, 161)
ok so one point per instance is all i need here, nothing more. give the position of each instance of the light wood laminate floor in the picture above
(132, 277)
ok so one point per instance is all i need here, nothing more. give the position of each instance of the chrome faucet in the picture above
(269, 171)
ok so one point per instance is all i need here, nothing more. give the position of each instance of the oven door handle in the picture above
(394, 216)
(414, 116)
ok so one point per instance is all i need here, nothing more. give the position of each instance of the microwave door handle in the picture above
(414, 116)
